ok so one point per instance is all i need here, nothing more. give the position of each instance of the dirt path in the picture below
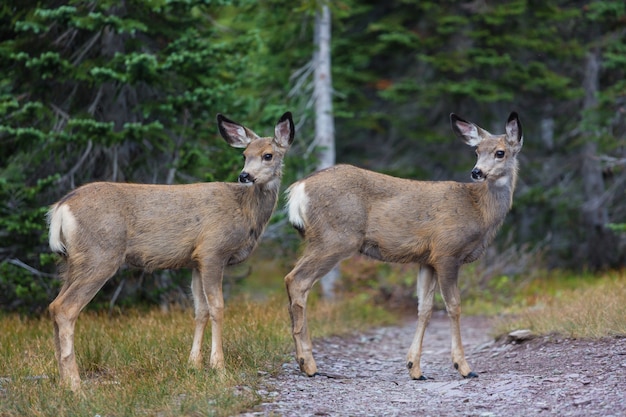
(366, 376)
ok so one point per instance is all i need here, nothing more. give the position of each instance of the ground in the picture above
(365, 375)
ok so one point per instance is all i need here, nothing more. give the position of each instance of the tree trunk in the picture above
(324, 122)
(599, 239)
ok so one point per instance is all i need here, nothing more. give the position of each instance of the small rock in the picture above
(582, 401)
(520, 336)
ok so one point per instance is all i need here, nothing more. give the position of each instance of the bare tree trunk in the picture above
(324, 122)
(594, 212)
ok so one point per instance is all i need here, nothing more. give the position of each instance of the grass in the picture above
(135, 363)
(577, 306)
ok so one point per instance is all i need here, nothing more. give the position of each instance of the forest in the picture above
(128, 91)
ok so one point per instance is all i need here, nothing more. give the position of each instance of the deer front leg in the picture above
(426, 283)
(206, 286)
(216, 308)
(201, 318)
(448, 277)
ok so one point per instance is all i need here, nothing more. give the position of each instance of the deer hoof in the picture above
(471, 375)
(308, 367)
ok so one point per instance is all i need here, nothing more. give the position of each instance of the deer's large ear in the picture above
(284, 131)
(466, 131)
(513, 128)
(235, 134)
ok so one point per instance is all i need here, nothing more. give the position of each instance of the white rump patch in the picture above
(296, 204)
(61, 219)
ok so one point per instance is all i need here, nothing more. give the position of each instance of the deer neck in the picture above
(496, 198)
(258, 203)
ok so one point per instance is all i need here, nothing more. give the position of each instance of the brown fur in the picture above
(344, 210)
(101, 226)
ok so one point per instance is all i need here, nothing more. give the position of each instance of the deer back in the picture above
(172, 226)
(401, 220)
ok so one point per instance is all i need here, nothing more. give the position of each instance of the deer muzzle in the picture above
(477, 174)
(245, 178)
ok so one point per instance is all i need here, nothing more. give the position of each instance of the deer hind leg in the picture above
(312, 266)
(81, 283)
(447, 273)
(206, 286)
(426, 283)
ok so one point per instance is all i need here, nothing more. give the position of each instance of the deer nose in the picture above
(245, 178)
(477, 174)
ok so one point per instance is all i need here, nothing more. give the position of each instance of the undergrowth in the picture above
(134, 363)
(572, 305)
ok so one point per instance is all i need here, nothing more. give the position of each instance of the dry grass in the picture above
(135, 363)
(572, 306)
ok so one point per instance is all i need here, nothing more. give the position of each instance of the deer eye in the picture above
(267, 157)
(499, 154)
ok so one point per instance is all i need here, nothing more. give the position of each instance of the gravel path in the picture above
(365, 375)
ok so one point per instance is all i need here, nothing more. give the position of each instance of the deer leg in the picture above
(64, 319)
(309, 269)
(298, 288)
(426, 284)
(76, 292)
(216, 309)
(206, 286)
(448, 276)
(201, 307)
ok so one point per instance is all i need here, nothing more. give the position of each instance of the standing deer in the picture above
(101, 226)
(344, 210)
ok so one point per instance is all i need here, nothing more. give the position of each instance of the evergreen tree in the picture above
(120, 91)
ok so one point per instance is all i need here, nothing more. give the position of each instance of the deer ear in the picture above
(513, 129)
(235, 134)
(284, 131)
(466, 131)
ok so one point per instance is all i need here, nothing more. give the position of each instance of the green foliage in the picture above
(104, 91)
(601, 122)
(485, 55)
(404, 70)
(618, 227)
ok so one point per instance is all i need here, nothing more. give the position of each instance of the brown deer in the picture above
(101, 226)
(344, 210)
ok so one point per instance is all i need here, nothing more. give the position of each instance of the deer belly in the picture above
(166, 258)
(396, 252)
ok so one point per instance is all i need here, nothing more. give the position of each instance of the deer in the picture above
(101, 226)
(344, 210)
